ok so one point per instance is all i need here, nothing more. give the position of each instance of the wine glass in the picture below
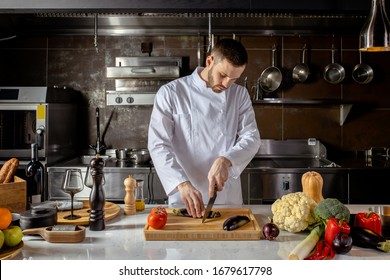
(73, 183)
(88, 180)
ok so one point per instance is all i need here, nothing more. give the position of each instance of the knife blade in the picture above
(210, 205)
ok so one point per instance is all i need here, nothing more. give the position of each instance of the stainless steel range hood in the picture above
(189, 23)
(178, 6)
(179, 17)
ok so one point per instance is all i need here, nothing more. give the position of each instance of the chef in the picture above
(203, 132)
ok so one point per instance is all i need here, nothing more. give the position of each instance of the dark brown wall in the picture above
(74, 62)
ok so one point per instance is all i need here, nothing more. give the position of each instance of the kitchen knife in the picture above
(210, 205)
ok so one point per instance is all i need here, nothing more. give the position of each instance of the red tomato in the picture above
(157, 219)
(159, 209)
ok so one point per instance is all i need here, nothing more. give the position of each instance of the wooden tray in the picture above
(59, 233)
(111, 210)
(10, 253)
(184, 228)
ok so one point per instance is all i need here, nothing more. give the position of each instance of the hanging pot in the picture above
(362, 73)
(301, 71)
(271, 78)
(334, 73)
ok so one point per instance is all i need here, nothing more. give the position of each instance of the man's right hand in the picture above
(192, 199)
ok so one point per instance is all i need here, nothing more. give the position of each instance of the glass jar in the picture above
(139, 195)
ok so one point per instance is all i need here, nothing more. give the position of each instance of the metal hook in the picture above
(211, 37)
(95, 42)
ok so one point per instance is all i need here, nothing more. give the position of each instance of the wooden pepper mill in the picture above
(97, 198)
(129, 199)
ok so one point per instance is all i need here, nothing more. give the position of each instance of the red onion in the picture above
(270, 231)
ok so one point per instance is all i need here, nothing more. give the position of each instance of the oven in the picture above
(42, 115)
(278, 167)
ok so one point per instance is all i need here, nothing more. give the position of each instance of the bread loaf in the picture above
(8, 170)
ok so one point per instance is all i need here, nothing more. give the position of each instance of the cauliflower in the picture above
(293, 212)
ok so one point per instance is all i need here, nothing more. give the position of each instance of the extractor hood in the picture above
(169, 6)
(181, 17)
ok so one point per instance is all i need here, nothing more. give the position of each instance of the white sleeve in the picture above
(160, 134)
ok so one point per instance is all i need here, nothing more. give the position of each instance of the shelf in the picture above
(286, 101)
(345, 108)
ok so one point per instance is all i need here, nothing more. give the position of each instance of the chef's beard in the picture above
(211, 84)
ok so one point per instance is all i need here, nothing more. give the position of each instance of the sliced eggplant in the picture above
(235, 222)
(183, 212)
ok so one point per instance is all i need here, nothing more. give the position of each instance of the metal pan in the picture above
(362, 73)
(334, 73)
(271, 77)
(301, 71)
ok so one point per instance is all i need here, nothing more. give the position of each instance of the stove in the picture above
(278, 167)
(292, 163)
(115, 172)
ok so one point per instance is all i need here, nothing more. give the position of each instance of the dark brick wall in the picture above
(74, 62)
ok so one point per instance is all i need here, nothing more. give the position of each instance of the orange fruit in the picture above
(5, 218)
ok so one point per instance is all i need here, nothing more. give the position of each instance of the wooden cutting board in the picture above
(185, 228)
(111, 210)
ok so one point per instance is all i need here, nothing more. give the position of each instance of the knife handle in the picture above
(215, 190)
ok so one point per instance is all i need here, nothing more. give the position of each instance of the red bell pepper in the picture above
(323, 251)
(333, 227)
(369, 220)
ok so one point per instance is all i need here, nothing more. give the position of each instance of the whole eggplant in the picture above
(235, 222)
(342, 243)
(366, 238)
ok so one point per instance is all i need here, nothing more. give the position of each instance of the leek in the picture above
(303, 249)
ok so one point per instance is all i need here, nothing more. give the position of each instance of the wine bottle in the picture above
(35, 174)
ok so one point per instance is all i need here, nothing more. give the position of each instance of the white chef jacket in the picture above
(191, 126)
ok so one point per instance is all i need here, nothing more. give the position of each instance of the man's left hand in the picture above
(218, 174)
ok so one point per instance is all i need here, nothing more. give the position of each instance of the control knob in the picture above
(130, 99)
(118, 100)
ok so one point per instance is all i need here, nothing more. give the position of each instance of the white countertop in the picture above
(123, 239)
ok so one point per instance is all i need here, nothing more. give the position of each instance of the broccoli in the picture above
(331, 207)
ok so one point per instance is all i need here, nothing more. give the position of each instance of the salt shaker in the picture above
(97, 197)
(129, 207)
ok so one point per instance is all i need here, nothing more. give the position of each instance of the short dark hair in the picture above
(232, 50)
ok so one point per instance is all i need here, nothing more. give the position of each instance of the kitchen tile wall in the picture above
(74, 62)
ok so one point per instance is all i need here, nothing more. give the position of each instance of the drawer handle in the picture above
(143, 70)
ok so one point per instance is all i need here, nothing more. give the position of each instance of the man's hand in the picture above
(218, 174)
(192, 199)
